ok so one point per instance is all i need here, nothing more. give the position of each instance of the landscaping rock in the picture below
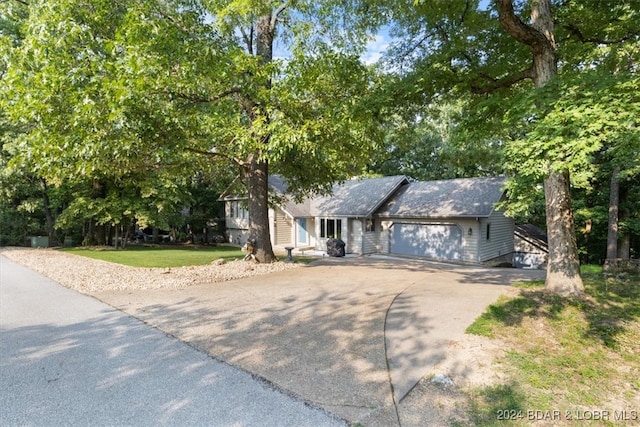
(89, 275)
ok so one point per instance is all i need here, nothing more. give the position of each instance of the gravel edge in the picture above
(88, 275)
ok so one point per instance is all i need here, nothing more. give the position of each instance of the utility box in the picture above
(39, 241)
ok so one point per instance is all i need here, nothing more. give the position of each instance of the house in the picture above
(531, 249)
(350, 212)
(289, 221)
(454, 220)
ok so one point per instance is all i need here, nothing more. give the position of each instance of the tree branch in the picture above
(173, 21)
(503, 83)
(520, 31)
(575, 31)
(464, 12)
(276, 13)
(248, 38)
(246, 104)
(216, 154)
(22, 2)
(415, 46)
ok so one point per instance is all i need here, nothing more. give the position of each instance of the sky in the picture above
(376, 47)
(374, 50)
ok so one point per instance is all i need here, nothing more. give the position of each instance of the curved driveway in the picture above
(351, 335)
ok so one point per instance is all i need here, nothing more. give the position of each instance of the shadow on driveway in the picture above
(351, 335)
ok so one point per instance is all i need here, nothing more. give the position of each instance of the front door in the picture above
(303, 236)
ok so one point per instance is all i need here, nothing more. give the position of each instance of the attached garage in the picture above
(450, 220)
(437, 241)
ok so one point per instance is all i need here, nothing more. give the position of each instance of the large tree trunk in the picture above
(48, 214)
(563, 268)
(614, 206)
(257, 175)
(256, 170)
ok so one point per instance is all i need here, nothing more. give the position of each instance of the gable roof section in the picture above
(294, 209)
(233, 191)
(357, 198)
(466, 197)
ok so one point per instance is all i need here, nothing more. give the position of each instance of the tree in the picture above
(426, 142)
(614, 208)
(133, 87)
(563, 273)
(528, 70)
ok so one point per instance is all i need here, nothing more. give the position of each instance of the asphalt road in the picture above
(68, 359)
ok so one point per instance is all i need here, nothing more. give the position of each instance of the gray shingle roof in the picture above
(357, 198)
(296, 210)
(353, 198)
(467, 197)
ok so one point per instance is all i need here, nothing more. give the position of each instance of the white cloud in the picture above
(376, 47)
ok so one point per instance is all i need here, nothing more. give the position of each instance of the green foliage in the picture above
(428, 143)
(588, 112)
(135, 95)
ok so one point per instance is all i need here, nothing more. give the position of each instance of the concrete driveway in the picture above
(351, 335)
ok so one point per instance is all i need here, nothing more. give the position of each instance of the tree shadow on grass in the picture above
(497, 405)
(609, 307)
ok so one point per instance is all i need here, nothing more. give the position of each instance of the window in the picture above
(370, 225)
(236, 210)
(488, 231)
(330, 228)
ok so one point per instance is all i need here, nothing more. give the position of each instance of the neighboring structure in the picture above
(530, 247)
(452, 220)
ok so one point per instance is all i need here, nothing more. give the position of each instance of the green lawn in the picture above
(161, 256)
(565, 357)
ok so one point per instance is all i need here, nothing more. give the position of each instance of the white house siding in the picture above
(354, 242)
(500, 242)
(470, 242)
(283, 228)
(236, 226)
(370, 242)
(382, 232)
(234, 222)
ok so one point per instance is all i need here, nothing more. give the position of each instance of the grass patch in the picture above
(564, 356)
(160, 256)
(590, 269)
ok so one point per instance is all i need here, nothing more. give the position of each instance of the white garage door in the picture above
(439, 241)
